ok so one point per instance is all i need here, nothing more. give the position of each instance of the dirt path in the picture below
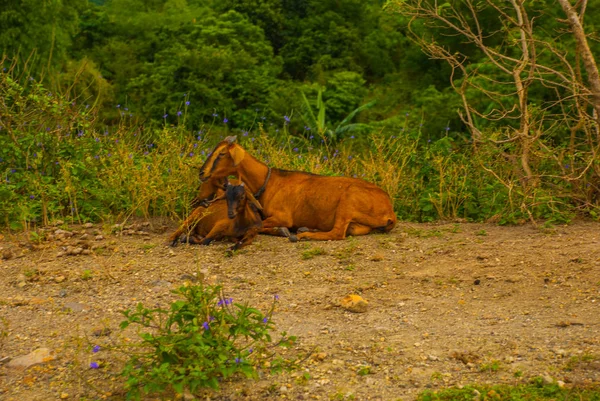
(448, 305)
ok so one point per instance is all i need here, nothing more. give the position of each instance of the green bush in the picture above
(202, 339)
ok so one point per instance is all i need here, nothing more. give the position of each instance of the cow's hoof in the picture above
(283, 232)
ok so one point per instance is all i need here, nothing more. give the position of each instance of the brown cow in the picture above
(235, 214)
(319, 207)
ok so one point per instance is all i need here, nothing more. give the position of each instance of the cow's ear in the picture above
(253, 200)
(237, 154)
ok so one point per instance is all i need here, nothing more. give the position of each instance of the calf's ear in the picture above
(237, 154)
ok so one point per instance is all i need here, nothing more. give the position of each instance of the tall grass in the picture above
(58, 161)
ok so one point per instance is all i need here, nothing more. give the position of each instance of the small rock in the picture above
(101, 331)
(547, 379)
(63, 233)
(38, 356)
(84, 244)
(73, 307)
(188, 277)
(561, 352)
(7, 254)
(161, 283)
(354, 303)
(377, 257)
(19, 301)
(59, 279)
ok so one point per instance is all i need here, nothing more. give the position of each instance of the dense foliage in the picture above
(106, 106)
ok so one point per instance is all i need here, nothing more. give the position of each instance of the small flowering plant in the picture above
(202, 339)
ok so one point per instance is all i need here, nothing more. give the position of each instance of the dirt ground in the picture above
(448, 305)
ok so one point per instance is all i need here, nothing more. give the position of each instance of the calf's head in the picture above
(223, 160)
(237, 198)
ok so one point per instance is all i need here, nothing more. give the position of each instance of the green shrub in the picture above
(201, 340)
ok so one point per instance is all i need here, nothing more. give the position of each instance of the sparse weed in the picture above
(579, 360)
(490, 367)
(312, 252)
(87, 275)
(536, 390)
(363, 370)
(3, 330)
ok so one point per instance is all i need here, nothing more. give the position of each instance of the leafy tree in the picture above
(43, 28)
(221, 64)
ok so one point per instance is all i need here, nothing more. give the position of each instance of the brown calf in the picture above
(319, 207)
(234, 215)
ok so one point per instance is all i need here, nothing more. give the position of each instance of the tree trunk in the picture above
(586, 54)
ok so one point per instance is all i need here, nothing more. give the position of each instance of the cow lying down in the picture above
(234, 215)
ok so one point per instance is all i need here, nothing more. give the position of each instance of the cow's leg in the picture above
(246, 239)
(219, 230)
(350, 223)
(276, 225)
(358, 229)
(188, 225)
